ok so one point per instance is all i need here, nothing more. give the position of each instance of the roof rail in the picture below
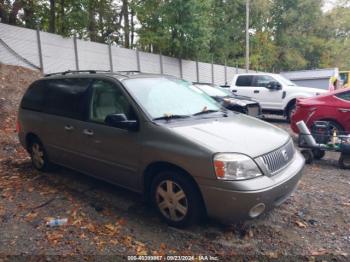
(128, 71)
(78, 71)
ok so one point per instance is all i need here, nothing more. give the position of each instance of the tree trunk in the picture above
(126, 24)
(17, 5)
(132, 27)
(28, 18)
(52, 19)
(3, 13)
(62, 20)
(92, 21)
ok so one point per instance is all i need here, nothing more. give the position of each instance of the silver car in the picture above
(160, 136)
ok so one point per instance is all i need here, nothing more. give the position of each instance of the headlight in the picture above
(235, 101)
(231, 166)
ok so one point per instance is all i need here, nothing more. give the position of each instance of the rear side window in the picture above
(67, 97)
(33, 99)
(344, 95)
(245, 80)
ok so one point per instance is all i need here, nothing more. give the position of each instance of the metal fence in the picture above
(54, 53)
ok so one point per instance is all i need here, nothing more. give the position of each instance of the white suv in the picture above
(275, 93)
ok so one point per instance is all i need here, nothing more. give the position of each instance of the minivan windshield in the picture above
(162, 97)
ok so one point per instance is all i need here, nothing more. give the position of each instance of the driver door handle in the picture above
(234, 91)
(68, 128)
(256, 91)
(88, 132)
(344, 110)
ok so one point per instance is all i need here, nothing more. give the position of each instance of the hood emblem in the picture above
(285, 155)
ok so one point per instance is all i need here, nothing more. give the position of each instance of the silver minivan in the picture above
(160, 136)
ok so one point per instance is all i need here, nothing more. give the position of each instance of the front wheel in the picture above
(318, 153)
(176, 198)
(344, 161)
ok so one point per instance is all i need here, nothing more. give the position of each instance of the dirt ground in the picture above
(105, 220)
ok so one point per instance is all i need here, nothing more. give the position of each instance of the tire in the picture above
(318, 153)
(290, 111)
(38, 155)
(344, 161)
(308, 155)
(176, 199)
(336, 126)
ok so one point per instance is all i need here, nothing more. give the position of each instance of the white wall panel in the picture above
(219, 75)
(204, 72)
(189, 70)
(171, 66)
(23, 41)
(58, 53)
(93, 55)
(124, 59)
(150, 63)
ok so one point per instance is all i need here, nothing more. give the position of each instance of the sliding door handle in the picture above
(88, 132)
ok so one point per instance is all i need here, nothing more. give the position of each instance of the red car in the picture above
(333, 107)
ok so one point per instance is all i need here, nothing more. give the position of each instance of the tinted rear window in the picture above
(33, 99)
(67, 97)
(244, 81)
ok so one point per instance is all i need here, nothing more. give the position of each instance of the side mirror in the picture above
(273, 85)
(121, 121)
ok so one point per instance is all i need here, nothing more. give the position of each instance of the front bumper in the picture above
(232, 205)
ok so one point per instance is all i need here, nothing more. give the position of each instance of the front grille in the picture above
(253, 110)
(279, 159)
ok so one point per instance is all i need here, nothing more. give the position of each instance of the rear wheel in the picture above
(176, 198)
(38, 155)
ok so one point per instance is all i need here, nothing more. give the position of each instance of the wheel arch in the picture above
(290, 102)
(154, 168)
(331, 120)
(30, 137)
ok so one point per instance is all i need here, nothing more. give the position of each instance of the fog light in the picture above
(257, 210)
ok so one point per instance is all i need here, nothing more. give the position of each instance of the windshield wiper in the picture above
(206, 112)
(169, 117)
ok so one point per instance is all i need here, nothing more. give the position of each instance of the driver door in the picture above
(268, 98)
(110, 153)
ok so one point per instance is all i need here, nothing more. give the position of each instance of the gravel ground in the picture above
(312, 225)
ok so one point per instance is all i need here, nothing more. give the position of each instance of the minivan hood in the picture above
(238, 133)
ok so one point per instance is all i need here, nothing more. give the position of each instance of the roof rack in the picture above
(128, 71)
(78, 71)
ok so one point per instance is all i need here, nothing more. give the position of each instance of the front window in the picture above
(162, 97)
(262, 81)
(108, 99)
(344, 95)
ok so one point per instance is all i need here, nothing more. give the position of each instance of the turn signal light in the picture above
(219, 168)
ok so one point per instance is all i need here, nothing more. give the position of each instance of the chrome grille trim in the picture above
(277, 160)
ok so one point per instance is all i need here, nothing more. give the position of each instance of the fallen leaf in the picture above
(300, 224)
(272, 255)
(319, 252)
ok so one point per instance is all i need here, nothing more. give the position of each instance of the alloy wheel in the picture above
(37, 155)
(171, 200)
